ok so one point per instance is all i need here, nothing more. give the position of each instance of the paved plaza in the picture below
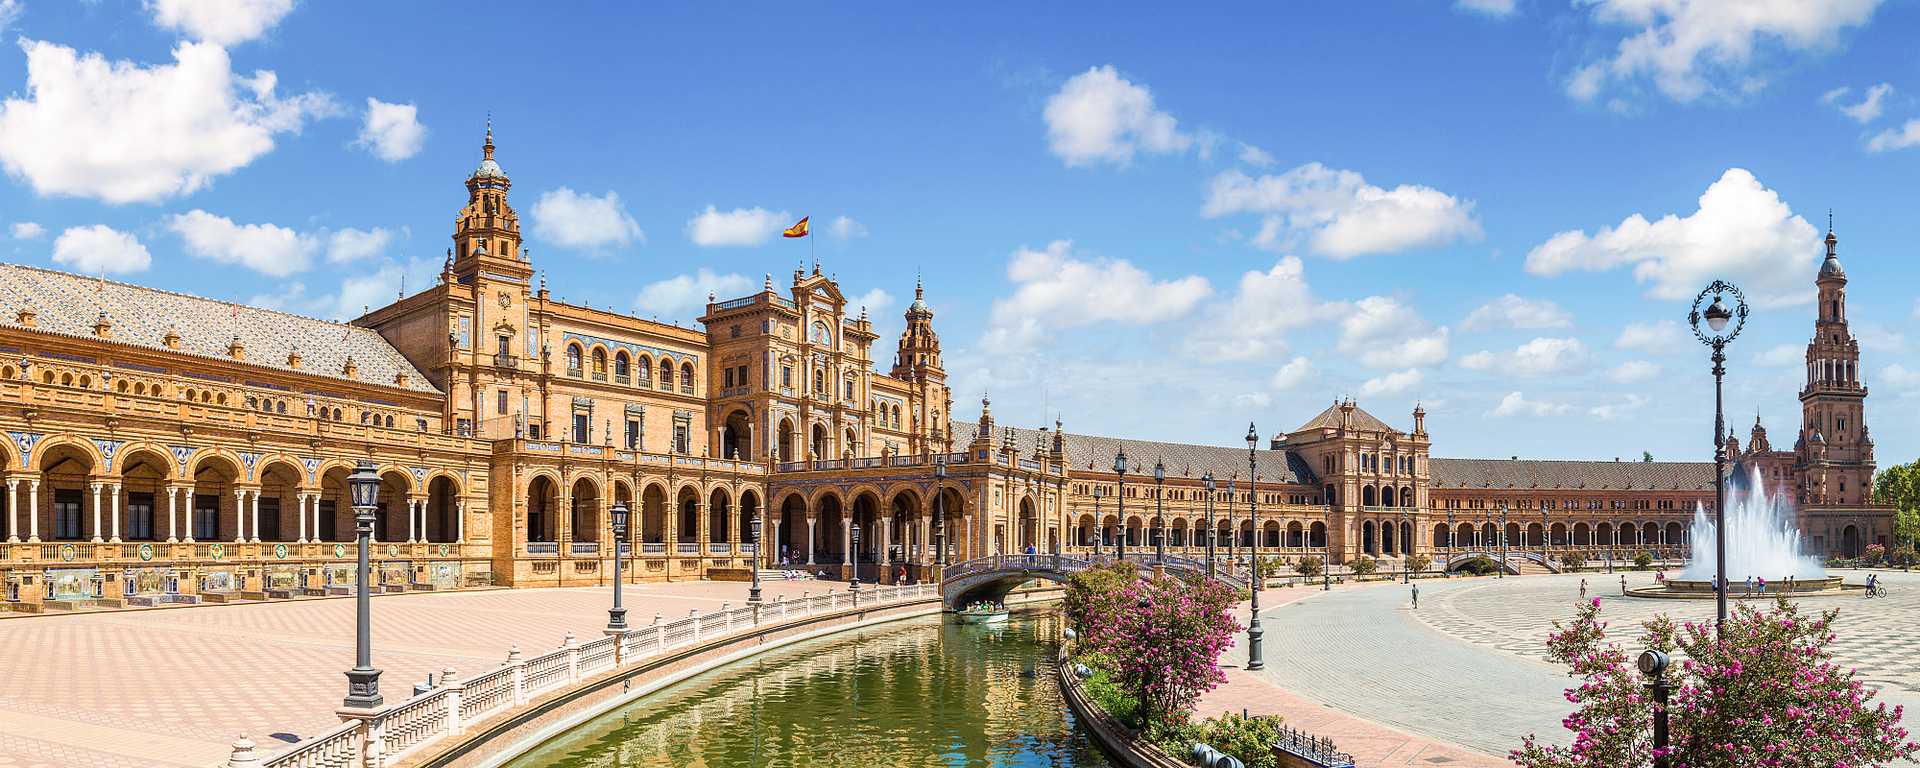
(174, 687)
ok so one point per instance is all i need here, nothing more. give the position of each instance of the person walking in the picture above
(1749, 583)
(1623, 585)
(1416, 597)
(1583, 589)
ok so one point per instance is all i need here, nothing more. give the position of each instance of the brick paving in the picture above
(174, 687)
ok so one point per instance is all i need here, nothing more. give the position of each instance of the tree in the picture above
(1418, 563)
(1308, 566)
(1899, 485)
(1168, 644)
(1646, 456)
(1094, 602)
(1363, 565)
(1767, 692)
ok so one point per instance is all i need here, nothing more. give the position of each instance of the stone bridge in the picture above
(991, 578)
(1510, 563)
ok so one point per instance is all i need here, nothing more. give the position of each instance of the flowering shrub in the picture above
(1169, 641)
(1250, 739)
(1766, 694)
(1874, 554)
(1093, 602)
(1642, 560)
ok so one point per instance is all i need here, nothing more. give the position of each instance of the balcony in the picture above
(653, 548)
(686, 389)
(584, 548)
(687, 547)
(543, 547)
(574, 372)
(504, 360)
(599, 375)
(621, 378)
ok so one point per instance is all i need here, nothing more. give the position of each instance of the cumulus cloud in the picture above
(350, 244)
(1613, 411)
(1494, 8)
(121, 132)
(1255, 156)
(1539, 357)
(1383, 333)
(27, 230)
(1100, 117)
(1691, 48)
(392, 132)
(1264, 308)
(1660, 337)
(1866, 110)
(1337, 213)
(1742, 231)
(1513, 311)
(1634, 372)
(1517, 404)
(367, 285)
(714, 228)
(265, 248)
(845, 228)
(1903, 137)
(1901, 379)
(1058, 288)
(100, 249)
(221, 22)
(686, 295)
(571, 219)
(1398, 382)
(1296, 372)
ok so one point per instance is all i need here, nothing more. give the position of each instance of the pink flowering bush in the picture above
(1874, 554)
(1767, 694)
(1169, 644)
(1094, 604)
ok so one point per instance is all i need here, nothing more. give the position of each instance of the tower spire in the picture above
(486, 149)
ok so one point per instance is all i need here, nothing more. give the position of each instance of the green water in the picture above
(911, 693)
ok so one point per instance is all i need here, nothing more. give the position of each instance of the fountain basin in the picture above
(1702, 589)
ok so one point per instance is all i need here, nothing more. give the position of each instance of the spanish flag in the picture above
(799, 228)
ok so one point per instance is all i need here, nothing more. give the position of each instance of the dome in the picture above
(1831, 267)
(489, 169)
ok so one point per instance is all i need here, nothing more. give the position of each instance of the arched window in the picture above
(666, 372)
(600, 362)
(686, 374)
(620, 364)
(573, 358)
(646, 367)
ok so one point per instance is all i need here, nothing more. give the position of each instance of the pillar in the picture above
(114, 510)
(239, 515)
(301, 499)
(886, 547)
(13, 510)
(188, 538)
(33, 511)
(316, 516)
(811, 522)
(846, 537)
(413, 514)
(173, 514)
(253, 516)
(96, 511)
(460, 520)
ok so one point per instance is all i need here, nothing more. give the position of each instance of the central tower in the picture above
(1834, 455)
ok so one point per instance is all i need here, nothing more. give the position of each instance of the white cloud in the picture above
(1864, 112)
(1660, 337)
(1254, 323)
(100, 249)
(1879, 338)
(1742, 231)
(221, 22)
(1634, 372)
(1539, 357)
(1691, 48)
(571, 219)
(1337, 213)
(1613, 411)
(10, 12)
(392, 132)
(1898, 377)
(686, 295)
(1516, 404)
(366, 286)
(27, 230)
(1255, 156)
(1513, 311)
(1494, 8)
(845, 228)
(121, 132)
(265, 248)
(1099, 116)
(1057, 288)
(1252, 401)
(875, 302)
(1296, 372)
(1781, 356)
(1394, 383)
(1383, 333)
(1916, 309)
(355, 244)
(713, 228)
(1905, 136)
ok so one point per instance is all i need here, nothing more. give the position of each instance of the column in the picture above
(460, 520)
(316, 517)
(886, 548)
(13, 510)
(846, 538)
(253, 518)
(173, 514)
(413, 514)
(301, 499)
(96, 511)
(115, 509)
(776, 544)
(922, 546)
(188, 538)
(703, 524)
(810, 525)
(423, 520)
(33, 511)
(239, 515)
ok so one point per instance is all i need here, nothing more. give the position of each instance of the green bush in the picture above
(1573, 561)
(1106, 693)
(1419, 563)
(1248, 738)
(1642, 560)
(1308, 566)
(1364, 565)
(1479, 566)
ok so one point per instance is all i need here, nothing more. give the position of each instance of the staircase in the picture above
(1526, 567)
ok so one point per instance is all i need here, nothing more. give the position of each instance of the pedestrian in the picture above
(1763, 586)
(1416, 597)
(1749, 583)
(1583, 589)
(1623, 585)
(900, 576)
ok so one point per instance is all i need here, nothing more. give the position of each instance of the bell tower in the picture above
(1835, 463)
(917, 362)
(486, 235)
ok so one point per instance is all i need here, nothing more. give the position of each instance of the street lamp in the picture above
(1233, 531)
(617, 615)
(1653, 664)
(1099, 526)
(1718, 336)
(363, 681)
(1120, 468)
(853, 582)
(1159, 509)
(939, 514)
(1254, 633)
(1506, 547)
(1453, 546)
(753, 529)
(1206, 481)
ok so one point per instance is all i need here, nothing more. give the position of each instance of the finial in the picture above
(816, 266)
(768, 285)
(486, 150)
(919, 292)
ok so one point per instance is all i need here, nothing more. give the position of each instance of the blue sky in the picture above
(1156, 224)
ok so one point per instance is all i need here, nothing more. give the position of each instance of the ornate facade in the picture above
(159, 448)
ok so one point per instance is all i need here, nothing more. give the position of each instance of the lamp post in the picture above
(1233, 531)
(1546, 537)
(1159, 511)
(853, 582)
(1099, 527)
(363, 681)
(939, 514)
(753, 529)
(1254, 633)
(1120, 468)
(1326, 554)
(1717, 336)
(617, 615)
(1506, 547)
(1653, 664)
(1453, 546)
(1206, 481)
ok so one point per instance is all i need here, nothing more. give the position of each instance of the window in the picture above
(849, 388)
(728, 380)
(686, 374)
(633, 434)
(66, 514)
(646, 368)
(500, 402)
(573, 359)
(680, 438)
(580, 428)
(503, 342)
(206, 517)
(600, 362)
(533, 431)
(742, 377)
(819, 381)
(621, 365)
(786, 376)
(666, 372)
(139, 517)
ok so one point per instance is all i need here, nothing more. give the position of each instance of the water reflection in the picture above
(912, 693)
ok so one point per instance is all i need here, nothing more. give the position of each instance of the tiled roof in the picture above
(1530, 474)
(1182, 459)
(70, 304)
(1330, 418)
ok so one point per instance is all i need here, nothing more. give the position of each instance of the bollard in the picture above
(519, 665)
(454, 687)
(243, 755)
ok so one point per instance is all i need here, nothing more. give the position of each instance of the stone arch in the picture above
(1366, 538)
(750, 511)
(281, 480)
(1676, 535)
(818, 447)
(443, 509)
(786, 440)
(720, 515)
(1317, 535)
(736, 435)
(653, 514)
(1650, 533)
(390, 513)
(1442, 536)
(1027, 526)
(1386, 496)
(1368, 497)
(1406, 496)
(686, 506)
(830, 515)
(543, 502)
(1270, 534)
(1582, 534)
(214, 510)
(1534, 536)
(1603, 535)
(584, 509)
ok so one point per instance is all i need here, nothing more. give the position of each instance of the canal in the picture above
(918, 692)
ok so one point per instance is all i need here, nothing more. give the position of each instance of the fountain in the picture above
(1763, 542)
